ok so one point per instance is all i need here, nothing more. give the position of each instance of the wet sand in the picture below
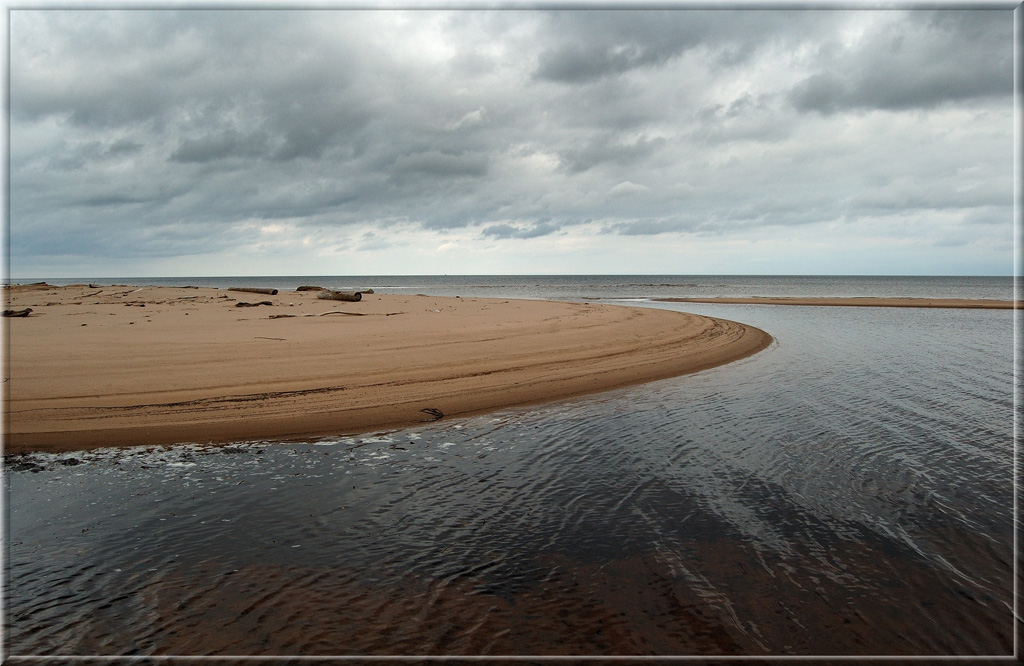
(860, 301)
(122, 365)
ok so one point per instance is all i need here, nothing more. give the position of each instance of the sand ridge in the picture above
(96, 366)
(858, 301)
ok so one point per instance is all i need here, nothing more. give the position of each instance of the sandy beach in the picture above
(868, 302)
(122, 365)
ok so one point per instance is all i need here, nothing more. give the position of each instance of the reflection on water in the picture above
(847, 491)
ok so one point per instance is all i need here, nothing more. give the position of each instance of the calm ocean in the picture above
(847, 491)
(592, 287)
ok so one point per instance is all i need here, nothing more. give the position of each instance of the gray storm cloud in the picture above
(155, 132)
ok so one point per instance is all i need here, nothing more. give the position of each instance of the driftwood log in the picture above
(340, 295)
(254, 290)
(308, 287)
(17, 313)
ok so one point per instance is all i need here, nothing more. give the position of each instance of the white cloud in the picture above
(626, 188)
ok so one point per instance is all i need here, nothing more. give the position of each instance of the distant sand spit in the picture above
(95, 366)
(869, 302)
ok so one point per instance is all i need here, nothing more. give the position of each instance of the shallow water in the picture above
(848, 491)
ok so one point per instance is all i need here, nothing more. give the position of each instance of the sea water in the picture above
(595, 287)
(847, 491)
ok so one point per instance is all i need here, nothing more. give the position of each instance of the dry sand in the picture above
(859, 301)
(120, 366)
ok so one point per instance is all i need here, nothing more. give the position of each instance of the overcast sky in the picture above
(180, 143)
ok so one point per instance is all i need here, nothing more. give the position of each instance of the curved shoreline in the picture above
(857, 301)
(95, 367)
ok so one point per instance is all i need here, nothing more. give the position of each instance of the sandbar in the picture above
(859, 301)
(101, 366)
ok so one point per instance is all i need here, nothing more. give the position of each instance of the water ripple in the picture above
(846, 492)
